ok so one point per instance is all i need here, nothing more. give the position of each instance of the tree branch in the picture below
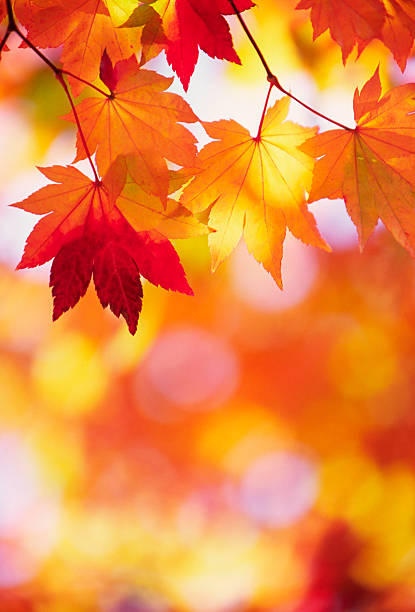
(273, 80)
(11, 26)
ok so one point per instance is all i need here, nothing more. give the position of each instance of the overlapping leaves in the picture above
(85, 30)
(182, 27)
(88, 234)
(137, 117)
(130, 129)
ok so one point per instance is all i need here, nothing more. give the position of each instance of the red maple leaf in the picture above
(190, 25)
(86, 234)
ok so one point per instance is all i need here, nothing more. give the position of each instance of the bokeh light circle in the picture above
(188, 368)
(279, 488)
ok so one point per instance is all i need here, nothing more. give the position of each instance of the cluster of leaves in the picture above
(117, 225)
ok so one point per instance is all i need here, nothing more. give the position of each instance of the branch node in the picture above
(272, 79)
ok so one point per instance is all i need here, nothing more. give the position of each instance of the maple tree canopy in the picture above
(150, 183)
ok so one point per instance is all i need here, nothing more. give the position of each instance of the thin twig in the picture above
(252, 39)
(272, 79)
(42, 56)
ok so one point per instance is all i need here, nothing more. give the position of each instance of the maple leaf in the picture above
(87, 235)
(141, 14)
(145, 211)
(120, 10)
(85, 30)
(22, 10)
(371, 166)
(349, 21)
(256, 186)
(138, 117)
(192, 24)
(398, 31)
(153, 38)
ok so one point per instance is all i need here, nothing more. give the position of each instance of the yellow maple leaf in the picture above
(257, 186)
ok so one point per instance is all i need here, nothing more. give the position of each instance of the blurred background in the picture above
(249, 449)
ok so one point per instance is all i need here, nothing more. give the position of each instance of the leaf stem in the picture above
(264, 110)
(58, 72)
(62, 81)
(78, 78)
(273, 80)
(312, 110)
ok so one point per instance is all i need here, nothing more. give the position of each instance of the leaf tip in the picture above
(324, 245)
(57, 312)
(107, 73)
(188, 290)
(278, 280)
(132, 327)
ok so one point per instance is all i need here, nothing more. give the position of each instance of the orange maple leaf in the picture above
(256, 186)
(145, 211)
(398, 31)
(371, 166)
(359, 21)
(138, 117)
(85, 30)
(349, 21)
